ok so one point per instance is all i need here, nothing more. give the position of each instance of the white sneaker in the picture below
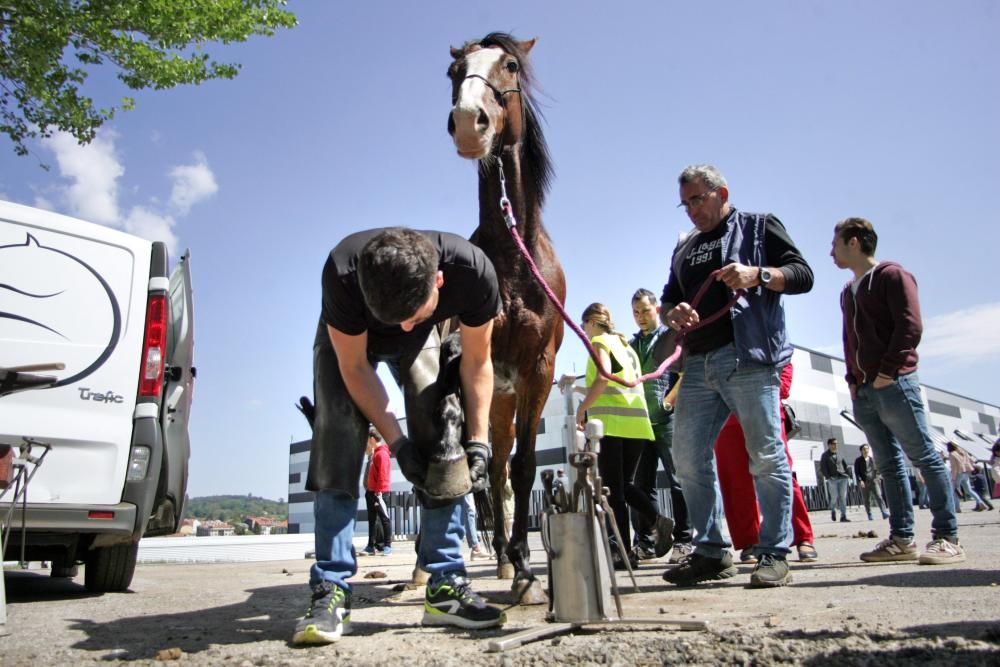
(942, 552)
(478, 553)
(889, 550)
(680, 551)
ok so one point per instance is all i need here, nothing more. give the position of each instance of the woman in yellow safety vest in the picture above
(626, 428)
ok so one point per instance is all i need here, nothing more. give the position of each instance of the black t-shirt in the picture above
(470, 291)
(704, 257)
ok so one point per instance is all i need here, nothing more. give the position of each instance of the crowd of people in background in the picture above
(721, 438)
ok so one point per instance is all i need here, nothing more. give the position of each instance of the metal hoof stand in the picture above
(581, 574)
(23, 467)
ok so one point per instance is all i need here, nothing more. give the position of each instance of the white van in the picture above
(102, 304)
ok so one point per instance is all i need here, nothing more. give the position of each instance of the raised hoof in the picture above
(529, 592)
(448, 480)
(420, 577)
(505, 571)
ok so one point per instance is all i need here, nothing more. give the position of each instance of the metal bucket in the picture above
(579, 573)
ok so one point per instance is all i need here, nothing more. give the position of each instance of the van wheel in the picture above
(110, 569)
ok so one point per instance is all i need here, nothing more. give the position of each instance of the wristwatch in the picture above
(764, 276)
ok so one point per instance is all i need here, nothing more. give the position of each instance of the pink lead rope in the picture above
(508, 215)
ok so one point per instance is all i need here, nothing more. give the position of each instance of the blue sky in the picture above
(814, 111)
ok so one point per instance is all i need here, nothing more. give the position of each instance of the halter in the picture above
(497, 93)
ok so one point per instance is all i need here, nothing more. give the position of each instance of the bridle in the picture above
(497, 93)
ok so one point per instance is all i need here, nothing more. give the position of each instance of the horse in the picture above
(494, 120)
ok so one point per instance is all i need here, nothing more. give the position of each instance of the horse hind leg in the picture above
(502, 432)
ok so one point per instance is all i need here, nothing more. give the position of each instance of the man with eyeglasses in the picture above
(732, 365)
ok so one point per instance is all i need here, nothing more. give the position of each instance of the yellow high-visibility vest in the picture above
(622, 409)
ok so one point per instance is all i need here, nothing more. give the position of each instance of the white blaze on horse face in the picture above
(473, 138)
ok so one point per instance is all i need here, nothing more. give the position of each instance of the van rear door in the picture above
(178, 386)
(72, 293)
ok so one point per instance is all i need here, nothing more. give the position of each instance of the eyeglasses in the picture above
(697, 200)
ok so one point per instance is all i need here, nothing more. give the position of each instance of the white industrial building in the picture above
(819, 396)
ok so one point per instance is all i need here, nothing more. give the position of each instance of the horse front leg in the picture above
(502, 432)
(526, 588)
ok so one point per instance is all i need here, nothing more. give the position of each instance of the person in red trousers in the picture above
(739, 498)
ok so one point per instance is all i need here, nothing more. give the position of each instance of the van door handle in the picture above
(175, 397)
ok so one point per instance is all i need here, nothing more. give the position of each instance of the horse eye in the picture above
(512, 66)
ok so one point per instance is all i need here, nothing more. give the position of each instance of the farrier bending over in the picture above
(384, 290)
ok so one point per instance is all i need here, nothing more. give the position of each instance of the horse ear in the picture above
(526, 46)
(455, 53)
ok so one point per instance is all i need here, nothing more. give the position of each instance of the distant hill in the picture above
(233, 509)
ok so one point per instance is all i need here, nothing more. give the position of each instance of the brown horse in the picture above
(494, 120)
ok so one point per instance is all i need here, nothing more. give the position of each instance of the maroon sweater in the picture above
(882, 324)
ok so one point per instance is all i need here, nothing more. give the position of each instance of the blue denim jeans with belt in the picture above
(714, 385)
(895, 423)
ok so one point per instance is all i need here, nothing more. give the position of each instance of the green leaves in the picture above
(48, 47)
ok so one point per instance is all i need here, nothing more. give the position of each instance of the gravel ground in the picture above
(838, 611)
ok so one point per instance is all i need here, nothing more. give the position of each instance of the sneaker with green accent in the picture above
(328, 618)
(453, 602)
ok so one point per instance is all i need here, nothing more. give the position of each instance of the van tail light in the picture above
(154, 347)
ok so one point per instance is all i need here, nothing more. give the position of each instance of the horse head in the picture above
(488, 82)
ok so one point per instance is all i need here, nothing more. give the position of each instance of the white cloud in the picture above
(150, 225)
(94, 170)
(44, 202)
(963, 337)
(192, 183)
(93, 194)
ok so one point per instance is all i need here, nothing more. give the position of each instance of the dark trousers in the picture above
(379, 526)
(617, 463)
(654, 452)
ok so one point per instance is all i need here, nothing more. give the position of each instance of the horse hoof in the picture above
(529, 592)
(420, 577)
(505, 571)
(448, 480)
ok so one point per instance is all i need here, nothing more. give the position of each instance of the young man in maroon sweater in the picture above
(882, 328)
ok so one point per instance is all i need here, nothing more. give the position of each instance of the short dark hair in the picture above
(643, 293)
(830, 441)
(396, 271)
(860, 229)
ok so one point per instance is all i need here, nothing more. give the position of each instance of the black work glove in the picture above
(478, 456)
(411, 461)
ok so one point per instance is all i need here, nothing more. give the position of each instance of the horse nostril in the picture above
(451, 124)
(482, 121)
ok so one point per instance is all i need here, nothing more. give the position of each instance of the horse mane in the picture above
(536, 150)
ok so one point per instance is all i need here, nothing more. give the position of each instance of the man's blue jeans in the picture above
(895, 423)
(440, 543)
(714, 385)
(836, 488)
